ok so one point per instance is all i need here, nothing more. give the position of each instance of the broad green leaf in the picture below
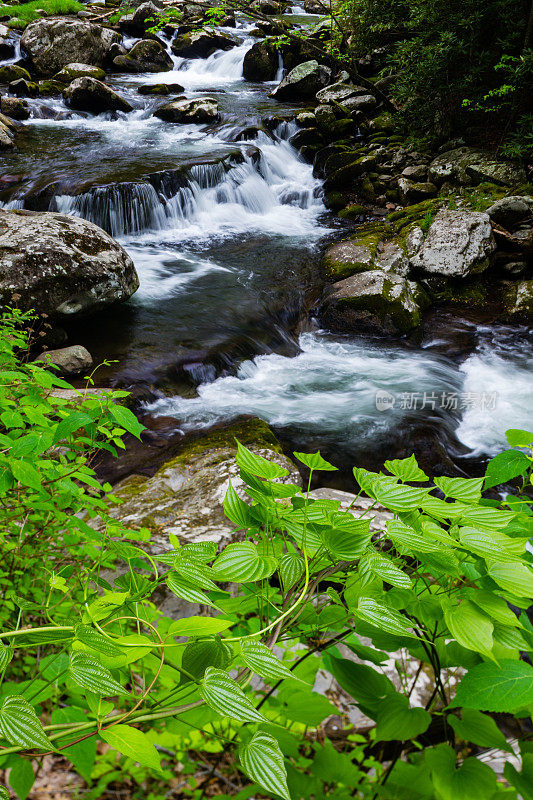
(473, 780)
(518, 438)
(403, 535)
(514, 577)
(291, 569)
(21, 776)
(506, 687)
(262, 661)
(20, 725)
(198, 626)
(494, 606)
(511, 637)
(522, 781)
(201, 551)
(382, 617)
(399, 497)
(383, 567)
(470, 626)
(368, 687)
(93, 639)
(199, 655)
(315, 461)
(484, 544)
(478, 728)
(441, 509)
(242, 562)
(396, 720)
(106, 605)
(467, 490)
(187, 590)
(133, 743)
(72, 423)
(506, 466)
(257, 465)
(82, 754)
(126, 419)
(348, 537)
(194, 571)
(26, 474)
(6, 654)
(407, 469)
(86, 671)
(236, 509)
(486, 516)
(226, 697)
(262, 760)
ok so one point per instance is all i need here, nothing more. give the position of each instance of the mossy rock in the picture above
(353, 211)
(357, 254)
(12, 72)
(50, 88)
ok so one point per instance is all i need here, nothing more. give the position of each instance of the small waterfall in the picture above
(281, 69)
(224, 66)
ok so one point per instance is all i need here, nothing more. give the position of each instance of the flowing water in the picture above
(225, 224)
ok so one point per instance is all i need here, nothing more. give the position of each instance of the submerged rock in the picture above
(61, 266)
(52, 44)
(458, 244)
(185, 495)
(70, 360)
(88, 94)
(145, 56)
(303, 82)
(160, 88)
(197, 110)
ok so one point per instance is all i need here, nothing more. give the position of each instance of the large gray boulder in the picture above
(339, 93)
(198, 110)
(303, 82)
(70, 72)
(62, 266)
(145, 56)
(467, 165)
(201, 44)
(509, 211)
(52, 44)
(69, 360)
(375, 301)
(88, 94)
(144, 17)
(458, 244)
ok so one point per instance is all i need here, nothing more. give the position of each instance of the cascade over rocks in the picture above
(52, 44)
(88, 94)
(145, 56)
(61, 266)
(199, 110)
(201, 44)
(304, 81)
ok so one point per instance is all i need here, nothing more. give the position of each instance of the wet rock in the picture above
(7, 137)
(69, 360)
(160, 89)
(374, 301)
(73, 71)
(302, 82)
(458, 244)
(88, 94)
(414, 192)
(50, 88)
(260, 63)
(137, 23)
(339, 93)
(417, 172)
(518, 299)
(12, 72)
(509, 211)
(7, 44)
(466, 165)
(201, 44)
(24, 88)
(349, 257)
(54, 43)
(14, 107)
(145, 56)
(185, 495)
(197, 110)
(361, 103)
(62, 266)
(306, 119)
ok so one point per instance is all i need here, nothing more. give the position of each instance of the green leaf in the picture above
(226, 697)
(262, 661)
(86, 671)
(403, 535)
(383, 567)
(489, 517)
(132, 743)
(485, 544)
(506, 466)
(236, 509)
(478, 728)
(407, 469)
(506, 687)
(21, 776)
(382, 617)
(72, 423)
(262, 760)
(26, 474)
(472, 781)
(399, 496)
(242, 562)
(105, 605)
(291, 569)
(126, 419)
(6, 654)
(522, 781)
(199, 655)
(315, 461)
(348, 538)
(199, 626)
(467, 490)
(187, 590)
(513, 577)
(368, 687)
(494, 606)
(92, 638)
(397, 721)
(470, 626)
(82, 754)
(20, 725)
(518, 438)
(257, 465)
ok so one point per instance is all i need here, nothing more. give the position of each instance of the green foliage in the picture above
(21, 15)
(89, 655)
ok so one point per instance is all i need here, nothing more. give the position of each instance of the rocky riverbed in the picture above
(245, 232)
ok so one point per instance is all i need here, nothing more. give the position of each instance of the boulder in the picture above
(198, 110)
(201, 44)
(62, 266)
(160, 88)
(339, 92)
(14, 107)
(138, 22)
(54, 43)
(510, 211)
(303, 82)
(185, 495)
(518, 299)
(414, 192)
(23, 88)
(458, 244)
(260, 63)
(416, 172)
(73, 71)
(69, 360)
(364, 103)
(7, 137)
(374, 301)
(268, 7)
(466, 166)
(145, 56)
(88, 94)
(12, 72)
(8, 46)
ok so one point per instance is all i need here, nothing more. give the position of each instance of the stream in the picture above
(226, 226)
